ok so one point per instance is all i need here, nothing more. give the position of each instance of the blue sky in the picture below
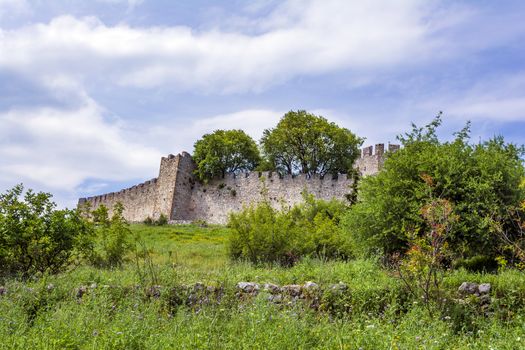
(93, 93)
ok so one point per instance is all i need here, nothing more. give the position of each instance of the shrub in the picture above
(161, 221)
(422, 267)
(112, 237)
(35, 237)
(480, 180)
(478, 263)
(264, 234)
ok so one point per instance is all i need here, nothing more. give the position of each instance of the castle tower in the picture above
(174, 186)
(371, 163)
(166, 186)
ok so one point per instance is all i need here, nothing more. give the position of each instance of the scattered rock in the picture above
(81, 291)
(468, 288)
(93, 285)
(311, 286)
(484, 288)
(50, 287)
(3, 290)
(293, 290)
(338, 288)
(248, 287)
(481, 291)
(275, 298)
(199, 286)
(272, 288)
(153, 292)
(485, 299)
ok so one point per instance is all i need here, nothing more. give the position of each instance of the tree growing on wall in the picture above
(225, 151)
(306, 143)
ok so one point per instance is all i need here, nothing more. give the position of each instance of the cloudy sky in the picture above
(93, 93)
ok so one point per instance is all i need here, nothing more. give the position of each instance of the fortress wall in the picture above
(177, 194)
(213, 202)
(138, 201)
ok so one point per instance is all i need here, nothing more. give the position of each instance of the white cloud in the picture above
(499, 99)
(56, 149)
(181, 135)
(252, 121)
(298, 38)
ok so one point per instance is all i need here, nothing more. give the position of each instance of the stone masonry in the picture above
(180, 197)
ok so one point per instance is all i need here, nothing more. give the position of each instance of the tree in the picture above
(481, 181)
(225, 151)
(305, 143)
(35, 237)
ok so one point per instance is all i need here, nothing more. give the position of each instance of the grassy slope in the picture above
(116, 314)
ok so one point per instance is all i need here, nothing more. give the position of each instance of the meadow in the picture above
(135, 307)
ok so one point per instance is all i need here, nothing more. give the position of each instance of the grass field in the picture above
(115, 310)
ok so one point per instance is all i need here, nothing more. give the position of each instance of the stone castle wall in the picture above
(177, 194)
(139, 201)
(371, 162)
(214, 201)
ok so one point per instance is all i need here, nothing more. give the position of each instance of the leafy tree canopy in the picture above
(37, 238)
(305, 143)
(225, 151)
(481, 181)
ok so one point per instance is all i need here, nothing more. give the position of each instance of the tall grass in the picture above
(115, 312)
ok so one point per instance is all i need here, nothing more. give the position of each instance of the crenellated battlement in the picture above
(178, 195)
(372, 158)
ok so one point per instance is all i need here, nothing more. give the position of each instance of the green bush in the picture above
(264, 234)
(112, 241)
(478, 263)
(35, 237)
(480, 180)
(161, 221)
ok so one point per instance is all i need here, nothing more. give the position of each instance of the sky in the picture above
(93, 93)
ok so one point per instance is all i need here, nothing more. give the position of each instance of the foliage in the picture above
(421, 269)
(376, 313)
(480, 180)
(305, 143)
(161, 221)
(149, 221)
(225, 151)
(35, 237)
(112, 241)
(264, 234)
